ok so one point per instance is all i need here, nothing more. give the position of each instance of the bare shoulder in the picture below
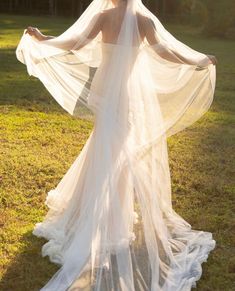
(108, 12)
(101, 16)
(144, 20)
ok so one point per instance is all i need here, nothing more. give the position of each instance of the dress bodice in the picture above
(108, 48)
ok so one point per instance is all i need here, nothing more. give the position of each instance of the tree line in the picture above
(73, 8)
(216, 18)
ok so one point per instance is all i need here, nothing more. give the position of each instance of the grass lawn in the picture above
(39, 142)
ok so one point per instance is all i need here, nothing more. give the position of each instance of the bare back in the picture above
(112, 21)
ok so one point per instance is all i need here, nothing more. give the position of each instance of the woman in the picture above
(111, 225)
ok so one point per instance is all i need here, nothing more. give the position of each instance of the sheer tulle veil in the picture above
(137, 99)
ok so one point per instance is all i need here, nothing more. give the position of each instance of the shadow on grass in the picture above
(28, 271)
(27, 93)
(16, 84)
(20, 90)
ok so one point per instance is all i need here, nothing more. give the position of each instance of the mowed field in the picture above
(39, 141)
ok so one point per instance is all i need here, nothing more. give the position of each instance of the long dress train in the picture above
(111, 225)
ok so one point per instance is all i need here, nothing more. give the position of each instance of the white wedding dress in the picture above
(110, 224)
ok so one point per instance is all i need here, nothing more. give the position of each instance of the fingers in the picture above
(31, 30)
(213, 59)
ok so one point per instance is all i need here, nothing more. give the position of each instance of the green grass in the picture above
(39, 142)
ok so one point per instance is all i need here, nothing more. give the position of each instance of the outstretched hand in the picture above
(35, 32)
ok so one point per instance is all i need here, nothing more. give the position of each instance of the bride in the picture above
(110, 224)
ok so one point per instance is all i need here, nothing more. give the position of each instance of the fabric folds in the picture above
(110, 224)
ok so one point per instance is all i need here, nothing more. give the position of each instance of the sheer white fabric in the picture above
(110, 224)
